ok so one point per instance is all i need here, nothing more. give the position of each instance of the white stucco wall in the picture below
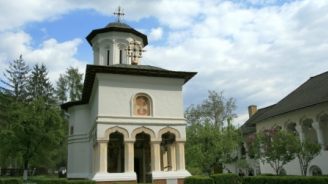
(117, 92)
(110, 106)
(78, 142)
(293, 167)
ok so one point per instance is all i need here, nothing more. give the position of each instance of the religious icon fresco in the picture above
(142, 106)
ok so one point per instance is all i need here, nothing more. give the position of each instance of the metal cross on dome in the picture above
(119, 14)
(134, 51)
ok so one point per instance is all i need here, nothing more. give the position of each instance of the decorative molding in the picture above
(170, 174)
(144, 129)
(141, 117)
(128, 176)
(169, 129)
(116, 129)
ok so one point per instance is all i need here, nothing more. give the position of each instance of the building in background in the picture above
(304, 112)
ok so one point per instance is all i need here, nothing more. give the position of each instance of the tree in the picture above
(209, 143)
(61, 89)
(69, 86)
(275, 147)
(35, 130)
(306, 152)
(5, 99)
(16, 78)
(38, 85)
(215, 109)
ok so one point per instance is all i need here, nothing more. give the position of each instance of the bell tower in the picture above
(117, 43)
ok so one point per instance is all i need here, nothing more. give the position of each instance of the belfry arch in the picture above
(171, 130)
(123, 131)
(146, 130)
(115, 153)
(142, 157)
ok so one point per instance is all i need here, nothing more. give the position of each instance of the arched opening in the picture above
(291, 128)
(323, 122)
(115, 153)
(250, 172)
(315, 171)
(308, 131)
(142, 105)
(168, 153)
(142, 159)
(242, 151)
(282, 172)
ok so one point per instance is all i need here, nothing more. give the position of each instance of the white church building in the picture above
(129, 125)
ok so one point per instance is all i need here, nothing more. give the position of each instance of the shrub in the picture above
(285, 180)
(198, 180)
(10, 181)
(80, 182)
(60, 181)
(226, 179)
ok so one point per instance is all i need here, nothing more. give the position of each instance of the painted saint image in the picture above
(142, 106)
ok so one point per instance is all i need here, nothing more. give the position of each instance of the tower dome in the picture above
(117, 43)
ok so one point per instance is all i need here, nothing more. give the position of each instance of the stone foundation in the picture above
(160, 181)
(164, 181)
(180, 181)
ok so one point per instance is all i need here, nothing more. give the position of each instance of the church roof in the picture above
(313, 92)
(140, 70)
(117, 27)
(249, 125)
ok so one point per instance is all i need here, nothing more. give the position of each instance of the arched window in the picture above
(315, 171)
(323, 122)
(142, 105)
(71, 130)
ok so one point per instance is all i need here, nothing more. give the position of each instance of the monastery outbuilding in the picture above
(129, 125)
(303, 112)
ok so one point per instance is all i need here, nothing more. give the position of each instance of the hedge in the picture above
(226, 179)
(60, 181)
(235, 179)
(198, 180)
(44, 181)
(285, 180)
(10, 181)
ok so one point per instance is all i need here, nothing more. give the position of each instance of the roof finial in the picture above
(134, 51)
(119, 14)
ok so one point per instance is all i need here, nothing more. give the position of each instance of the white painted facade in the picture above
(110, 110)
(317, 116)
(314, 114)
(304, 113)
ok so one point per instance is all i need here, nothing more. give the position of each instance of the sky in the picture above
(256, 51)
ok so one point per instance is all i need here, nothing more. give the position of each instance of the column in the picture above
(180, 155)
(316, 126)
(102, 56)
(155, 156)
(129, 156)
(172, 157)
(299, 130)
(102, 156)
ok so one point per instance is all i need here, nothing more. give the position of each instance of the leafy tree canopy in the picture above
(209, 142)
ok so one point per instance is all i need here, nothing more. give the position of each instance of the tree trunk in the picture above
(304, 170)
(25, 174)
